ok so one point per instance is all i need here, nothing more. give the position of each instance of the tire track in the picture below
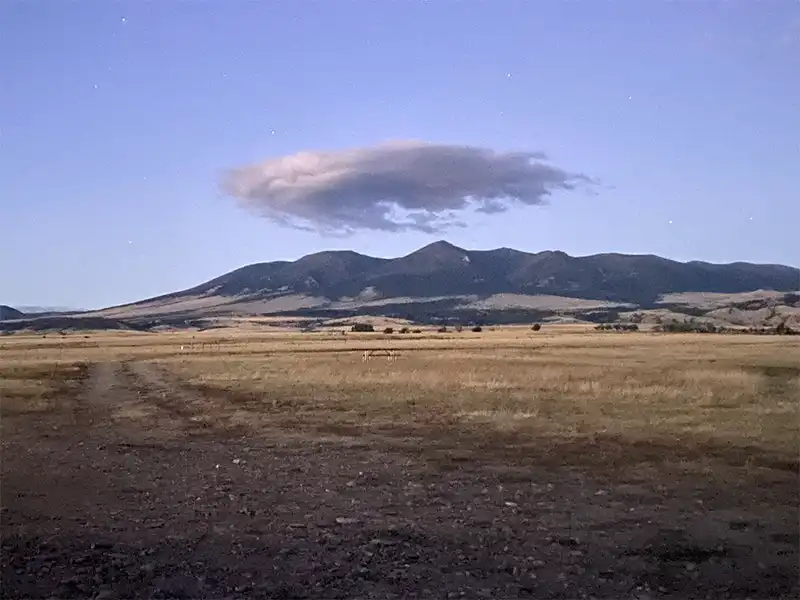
(179, 409)
(92, 406)
(131, 402)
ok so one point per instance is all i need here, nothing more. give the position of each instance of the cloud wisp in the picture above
(395, 186)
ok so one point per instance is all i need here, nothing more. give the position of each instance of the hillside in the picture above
(441, 269)
(442, 281)
(6, 312)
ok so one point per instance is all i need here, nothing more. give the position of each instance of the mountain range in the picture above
(443, 281)
(442, 269)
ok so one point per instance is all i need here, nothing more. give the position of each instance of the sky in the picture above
(146, 147)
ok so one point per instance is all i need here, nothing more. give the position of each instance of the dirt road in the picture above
(133, 488)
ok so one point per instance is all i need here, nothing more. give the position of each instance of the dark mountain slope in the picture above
(441, 269)
(6, 312)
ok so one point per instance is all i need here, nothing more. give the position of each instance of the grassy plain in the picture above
(674, 454)
(729, 394)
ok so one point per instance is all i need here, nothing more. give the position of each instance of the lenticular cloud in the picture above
(395, 186)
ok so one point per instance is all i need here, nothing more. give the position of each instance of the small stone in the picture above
(346, 520)
(690, 566)
(537, 563)
(511, 504)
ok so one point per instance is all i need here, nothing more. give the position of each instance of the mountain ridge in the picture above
(441, 269)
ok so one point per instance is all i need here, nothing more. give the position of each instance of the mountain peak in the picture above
(439, 248)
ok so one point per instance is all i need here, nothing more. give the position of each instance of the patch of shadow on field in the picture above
(775, 371)
(778, 380)
(605, 454)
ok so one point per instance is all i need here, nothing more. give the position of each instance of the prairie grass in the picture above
(37, 387)
(676, 389)
(731, 392)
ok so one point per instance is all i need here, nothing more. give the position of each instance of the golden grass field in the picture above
(736, 391)
(639, 437)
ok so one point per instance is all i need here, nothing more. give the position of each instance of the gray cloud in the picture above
(395, 186)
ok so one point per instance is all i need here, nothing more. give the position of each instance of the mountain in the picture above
(442, 269)
(33, 310)
(6, 312)
(441, 278)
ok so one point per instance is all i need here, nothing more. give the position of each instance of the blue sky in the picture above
(117, 120)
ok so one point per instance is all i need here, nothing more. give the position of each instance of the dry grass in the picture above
(729, 393)
(37, 387)
(643, 395)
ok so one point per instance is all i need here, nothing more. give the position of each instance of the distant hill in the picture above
(442, 281)
(67, 324)
(6, 312)
(34, 310)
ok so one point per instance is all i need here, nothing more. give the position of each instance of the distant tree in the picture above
(536, 326)
(417, 331)
(791, 299)
(362, 328)
(442, 329)
(404, 330)
(388, 330)
(477, 329)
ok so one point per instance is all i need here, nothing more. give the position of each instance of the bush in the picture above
(617, 327)
(791, 299)
(784, 329)
(689, 327)
(388, 330)
(417, 331)
(404, 330)
(442, 329)
(536, 326)
(362, 328)
(477, 329)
